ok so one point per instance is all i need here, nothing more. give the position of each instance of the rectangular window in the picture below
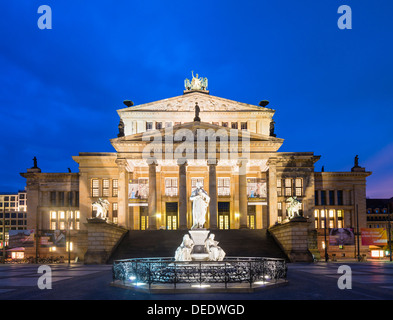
(171, 187)
(53, 198)
(316, 197)
(61, 199)
(288, 187)
(77, 199)
(115, 187)
(149, 126)
(95, 188)
(158, 125)
(243, 125)
(299, 187)
(223, 187)
(70, 198)
(224, 124)
(105, 187)
(331, 197)
(234, 125)
(323, 197)
(279, 188)
(340, 197)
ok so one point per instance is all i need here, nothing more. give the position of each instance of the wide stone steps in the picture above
(161, 243)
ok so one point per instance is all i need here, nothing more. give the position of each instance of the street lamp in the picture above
(389, 231)
(326, 252)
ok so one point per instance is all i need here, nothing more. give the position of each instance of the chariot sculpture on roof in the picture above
(196, 83)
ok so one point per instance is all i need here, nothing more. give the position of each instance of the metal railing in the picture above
(168, 271)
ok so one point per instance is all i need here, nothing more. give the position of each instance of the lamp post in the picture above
(357, 232)
(390, 236)
(326, 252)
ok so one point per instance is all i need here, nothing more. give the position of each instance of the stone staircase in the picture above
(161, 243)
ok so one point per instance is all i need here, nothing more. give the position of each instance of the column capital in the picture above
(182, 161)
(212, 162)
(151, 161)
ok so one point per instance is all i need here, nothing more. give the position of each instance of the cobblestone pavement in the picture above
(318, 281)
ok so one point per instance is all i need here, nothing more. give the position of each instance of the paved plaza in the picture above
(318, 281)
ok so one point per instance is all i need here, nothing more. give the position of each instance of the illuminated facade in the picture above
(165, 147)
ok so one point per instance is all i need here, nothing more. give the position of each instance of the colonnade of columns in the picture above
(183, 199)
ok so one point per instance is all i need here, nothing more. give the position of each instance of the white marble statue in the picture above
(201, 201)
(183, 252)
(215, 252)
(101, 206)
(293, 206)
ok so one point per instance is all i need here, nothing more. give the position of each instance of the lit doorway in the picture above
(223, 215)
(171, 209)
(143, 218)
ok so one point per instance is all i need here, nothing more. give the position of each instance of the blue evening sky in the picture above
(331, 88)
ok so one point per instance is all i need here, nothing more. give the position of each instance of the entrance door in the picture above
(223, 215)
(251, 213)
(171, 215)
(143, 218)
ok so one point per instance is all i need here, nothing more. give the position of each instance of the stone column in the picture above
(182, 193)
(152, 200)
(272, 193)
(213, 193)
(122, 197)
(243, 200)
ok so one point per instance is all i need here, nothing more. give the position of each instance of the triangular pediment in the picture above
(187, 102)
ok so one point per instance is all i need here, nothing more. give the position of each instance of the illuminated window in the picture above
(62, 225)
(53, 215)
(62, 215)
(331, 213)
(322, 223)
(339, 223)
(223, 186)
(115, 187)
(316, 213)
(288, 187)
(331, 223)
(171, 187)
(322, 213)
(298, 187)
(95, 188)
(339, 213)
(279, 188)
(105, 187)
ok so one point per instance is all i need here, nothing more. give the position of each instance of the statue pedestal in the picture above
(199, 237)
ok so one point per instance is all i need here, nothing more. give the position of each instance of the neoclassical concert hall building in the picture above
(164, 148)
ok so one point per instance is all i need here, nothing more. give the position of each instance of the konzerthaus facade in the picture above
(165, 147)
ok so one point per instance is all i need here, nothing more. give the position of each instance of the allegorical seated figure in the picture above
(183, 252)
(215, 252)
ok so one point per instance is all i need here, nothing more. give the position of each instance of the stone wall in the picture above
(292, 236)
(102, 238)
